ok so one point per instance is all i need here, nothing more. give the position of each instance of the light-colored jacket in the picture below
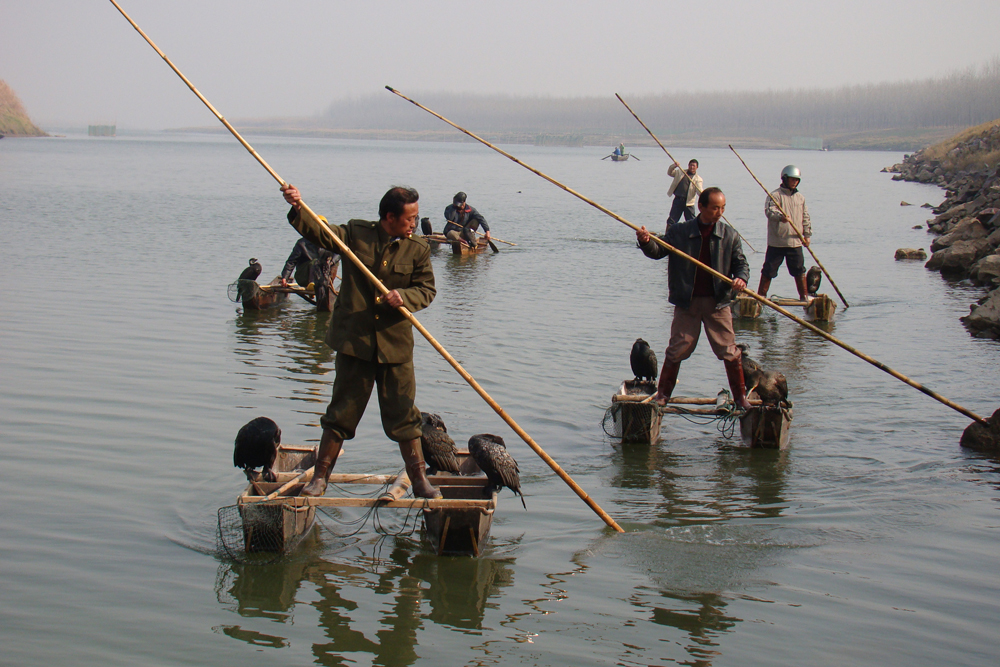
(779, 233)
(694, 188)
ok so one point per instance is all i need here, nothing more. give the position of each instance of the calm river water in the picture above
(126, 373)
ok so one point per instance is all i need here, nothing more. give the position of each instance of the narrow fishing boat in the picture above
(459, 247)
(255, 296)
(819, 309)
(459, 523)
(636, 419)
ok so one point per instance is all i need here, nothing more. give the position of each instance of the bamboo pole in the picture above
(704, 267)
(792, 225)
(683, 171)
(305, 211)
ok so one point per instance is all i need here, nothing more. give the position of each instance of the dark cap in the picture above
(459, 198)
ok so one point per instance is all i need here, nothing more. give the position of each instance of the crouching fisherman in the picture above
(372, 339)
(700, 298)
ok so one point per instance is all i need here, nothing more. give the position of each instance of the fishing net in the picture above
(268, 532)
(243, 289)
(631, 421)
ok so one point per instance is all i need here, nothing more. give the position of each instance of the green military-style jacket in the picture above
(363, 325)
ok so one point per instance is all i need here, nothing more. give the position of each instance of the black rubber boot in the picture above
(329, 450)
(668, 379)
(413, 457)
(734, 371)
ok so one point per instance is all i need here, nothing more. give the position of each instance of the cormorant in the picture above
(490, 453)
(643, 361)
(439, 448)
(257, 446)
(813, 279)
(425, 226)
(252, 271)
(771, 386)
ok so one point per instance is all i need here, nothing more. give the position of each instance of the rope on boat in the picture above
(726, 418)
(264, 543)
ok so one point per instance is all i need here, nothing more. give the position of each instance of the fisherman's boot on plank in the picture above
(413, 456)
(800, 285)
(765, 284)
(734, 371)
(668, 379)
(329, 450)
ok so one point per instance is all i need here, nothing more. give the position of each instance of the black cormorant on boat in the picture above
(490, 454)
(771, 386)
(257, 447)
(643, 361)
(439, 448)
(813, 279)
(252, 271)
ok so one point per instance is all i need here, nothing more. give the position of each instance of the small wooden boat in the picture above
(459, 247)
(766, 426)
(458, 523)
(639, 422)
(261, 297)
(278, 525)
(763, 426)
(619, 158)
(819, 309)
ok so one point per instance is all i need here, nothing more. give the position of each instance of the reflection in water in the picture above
(464, 276)
(701, 617)
(457, 590)
(295, 340)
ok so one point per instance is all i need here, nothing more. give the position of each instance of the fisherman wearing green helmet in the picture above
(788, 229)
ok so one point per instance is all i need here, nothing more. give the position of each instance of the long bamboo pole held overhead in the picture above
(683, 171)
(305, 211)
(704, 267)
(792, 225)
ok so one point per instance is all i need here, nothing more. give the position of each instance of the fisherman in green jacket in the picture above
(372, 339)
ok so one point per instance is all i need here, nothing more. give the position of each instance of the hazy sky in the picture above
(75, 62)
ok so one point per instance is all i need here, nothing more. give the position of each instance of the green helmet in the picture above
(791, 171)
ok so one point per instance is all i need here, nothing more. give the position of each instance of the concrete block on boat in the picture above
(911, 253)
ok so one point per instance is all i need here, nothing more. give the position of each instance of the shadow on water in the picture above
(409, 579)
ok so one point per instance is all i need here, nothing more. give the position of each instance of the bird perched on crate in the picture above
(439, 448)
(257, 447)
(490, 454)
(252, 271)
(813, 279)
(643, 361)
(771, 386)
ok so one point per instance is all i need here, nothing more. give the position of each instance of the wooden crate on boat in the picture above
(766, 426)
(820, 309)
(746, 307)
(639, 422)
(459, 248)
(457, 530)
(278, 525)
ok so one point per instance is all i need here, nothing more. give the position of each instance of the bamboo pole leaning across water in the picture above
(305, 211)
(792, 225)
(686, 175)
(705, 267)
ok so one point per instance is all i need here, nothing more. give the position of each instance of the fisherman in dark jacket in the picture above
(700, 298)
(463, 221)
(303, 260)
(372, 338)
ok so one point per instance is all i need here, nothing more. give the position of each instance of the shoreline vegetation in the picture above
(901, 116)
(14, 121)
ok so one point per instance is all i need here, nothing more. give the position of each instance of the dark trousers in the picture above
(792, 257)
(352, 387)
(677, 209)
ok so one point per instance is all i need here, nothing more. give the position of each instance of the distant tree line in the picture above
(963, 98)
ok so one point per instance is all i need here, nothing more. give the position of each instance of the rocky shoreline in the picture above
(967, 222)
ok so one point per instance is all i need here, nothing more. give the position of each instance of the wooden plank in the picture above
(405, 503)
(678, 400)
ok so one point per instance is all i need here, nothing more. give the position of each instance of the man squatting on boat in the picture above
(700, 298)
(372, 339)
(783, 244)
(304, 263)
(463, 221)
